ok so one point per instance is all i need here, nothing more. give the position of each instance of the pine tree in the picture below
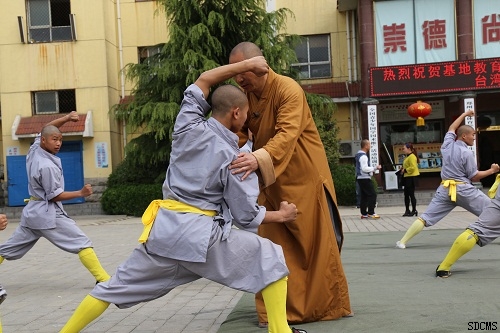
(201, 36)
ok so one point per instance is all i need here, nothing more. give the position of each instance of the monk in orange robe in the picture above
(291, 162)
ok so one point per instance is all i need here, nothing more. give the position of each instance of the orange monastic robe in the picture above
(287, 143)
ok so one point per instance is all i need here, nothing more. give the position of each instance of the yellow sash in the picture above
(150, 213)
(493, 189)
(452, 191)
(31, 199)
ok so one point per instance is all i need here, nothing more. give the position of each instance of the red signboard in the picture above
(476, 74)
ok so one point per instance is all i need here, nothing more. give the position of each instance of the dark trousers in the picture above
(368, 196)
(409, 192)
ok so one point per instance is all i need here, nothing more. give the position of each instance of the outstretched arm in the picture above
(72, 116)
(257, 65)
(84, 192)
(485, 173)
(456, 124)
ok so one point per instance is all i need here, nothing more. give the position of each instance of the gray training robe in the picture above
(183, 247)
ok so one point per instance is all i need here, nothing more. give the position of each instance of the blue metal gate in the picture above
(72, 162)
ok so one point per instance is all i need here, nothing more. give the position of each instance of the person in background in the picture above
(482, 232)
(409, 172)
(44, 215)
(458, 171)
(291, 161)
(3, 292)
(364, 173)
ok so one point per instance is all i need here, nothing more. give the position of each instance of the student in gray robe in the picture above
(3, 292)
(44, 215)
(482, 232)
(188, 234)
(458, 172)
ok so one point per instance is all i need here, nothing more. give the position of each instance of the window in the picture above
(145, 52)
(314, 57)
(55, 101)
(49, 20)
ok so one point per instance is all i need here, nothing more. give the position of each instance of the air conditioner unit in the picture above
(349, 148)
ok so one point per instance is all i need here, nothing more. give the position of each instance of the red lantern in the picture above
(419, 110)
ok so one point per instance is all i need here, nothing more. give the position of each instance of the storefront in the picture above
(444, 53)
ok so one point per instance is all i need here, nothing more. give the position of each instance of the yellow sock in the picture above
(1, 261)
(414, 230)
(88, 310)
(275, 300)
(463, 244)
(90, 261)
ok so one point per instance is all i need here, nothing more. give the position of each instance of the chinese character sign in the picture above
(435, 31)
(373, 134)
(101, 154)
(487, 28)
(475, 74)
(394, 33)
(434, 34)
(13, 151)
(394, 38)
(422, 31)
(471, 121)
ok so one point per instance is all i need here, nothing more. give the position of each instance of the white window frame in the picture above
(149, 52)
(50, 27)
(301, 65)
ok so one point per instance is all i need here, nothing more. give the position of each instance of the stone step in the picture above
(82, 209)
(396, 197)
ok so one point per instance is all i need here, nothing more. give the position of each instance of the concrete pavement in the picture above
(47, 284)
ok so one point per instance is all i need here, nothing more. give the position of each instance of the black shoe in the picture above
(407, 213)
(298, 330)
(442, 274)
(414, 213)
(3, 295)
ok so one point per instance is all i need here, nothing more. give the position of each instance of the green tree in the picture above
(201, 35)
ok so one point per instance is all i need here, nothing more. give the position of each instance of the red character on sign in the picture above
(394, 37)
(491, 30)
(434, 34)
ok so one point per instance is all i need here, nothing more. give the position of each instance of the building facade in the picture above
(57, 56)
(386, 55)
(61, 55)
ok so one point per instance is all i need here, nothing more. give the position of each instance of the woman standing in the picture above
(409, 172)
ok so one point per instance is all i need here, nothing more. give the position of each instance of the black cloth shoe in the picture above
(442, 274)
(3, 294)
(298, 330)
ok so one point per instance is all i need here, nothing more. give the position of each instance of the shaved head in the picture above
(49, 129)
(247, 49)
(364, 143)
(226, 97)
(464, 129)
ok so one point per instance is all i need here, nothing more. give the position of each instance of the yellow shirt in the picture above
(410, 165)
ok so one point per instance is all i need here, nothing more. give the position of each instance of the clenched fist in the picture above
(288, 211)
(3, 221)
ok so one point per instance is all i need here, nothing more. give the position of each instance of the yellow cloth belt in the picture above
(32, 199)
(150, 213)
(493, 189)
(452, 185)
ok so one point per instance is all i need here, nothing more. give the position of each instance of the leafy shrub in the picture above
(130, 172)
(130, 199)
(344, 179)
